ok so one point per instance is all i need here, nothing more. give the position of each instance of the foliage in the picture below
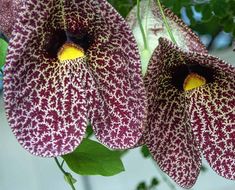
(123, 6)
(92, 158)
(144, 186)
(145, 152)
(3, 50)
(213, 17)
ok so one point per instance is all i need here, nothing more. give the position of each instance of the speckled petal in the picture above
(45, 100)
(118, 114)
(8, 14)
(212, 113)
(110, 52)
(170, 138)
(155, 28)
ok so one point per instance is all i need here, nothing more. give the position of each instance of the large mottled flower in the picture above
(8, 14)
(191, 109)
(70, 62)
(154, 28)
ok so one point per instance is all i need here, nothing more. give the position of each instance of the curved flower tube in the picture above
(70, 62)
(8, 14)
(154, 28)
(191, 110)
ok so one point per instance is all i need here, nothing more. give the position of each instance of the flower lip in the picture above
(180, 74)
(192, 81)
(56, 40)
(70, 51)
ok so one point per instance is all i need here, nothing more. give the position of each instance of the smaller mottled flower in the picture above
(191, 110)
(71, 62)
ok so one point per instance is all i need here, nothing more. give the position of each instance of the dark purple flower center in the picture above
(180, 73)
(60, 37)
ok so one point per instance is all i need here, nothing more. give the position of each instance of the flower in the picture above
(154, 28)
(191, 109)
(183, 174)
(70, 62)
(8, 13)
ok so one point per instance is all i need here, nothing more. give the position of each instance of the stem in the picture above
(59, 165)
(64, 172)
(141, 26)
(166, 23)
(146, 21)
(62, 164)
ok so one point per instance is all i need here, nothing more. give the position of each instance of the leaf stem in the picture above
(64, 172)
(166, 22)
(59, 165)
(141, 26)
(146, 20)
(62, 163)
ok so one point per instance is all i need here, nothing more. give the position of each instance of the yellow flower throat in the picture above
(192, 81)
(70, 51)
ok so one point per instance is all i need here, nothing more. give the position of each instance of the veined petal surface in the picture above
(8, 14)
(54, 100)
(115, 64)
(169, 137)
(212, 115)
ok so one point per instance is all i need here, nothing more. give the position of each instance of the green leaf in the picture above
(92, 158)
(206, 13)
(177, 7)
(227, 24)
(198, 7)
(145, 151)
(212, 27)
(190, 15)
(89, 131)
(3, 52)
(168, 3)
(142, 186)
(219, 7)
(122, 6)
(155, 182)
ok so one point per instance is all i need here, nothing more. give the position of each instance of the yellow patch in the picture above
(70, 51)
(192, 81)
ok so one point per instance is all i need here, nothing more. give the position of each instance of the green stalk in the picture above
(146, 21)
(166, 22)
(64, 172)
(141, 26)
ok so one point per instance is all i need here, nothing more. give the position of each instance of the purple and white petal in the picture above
(118, 113)
(212, 115)
(8, 14)
(45, 100)
(169, 137)
(74, 91)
